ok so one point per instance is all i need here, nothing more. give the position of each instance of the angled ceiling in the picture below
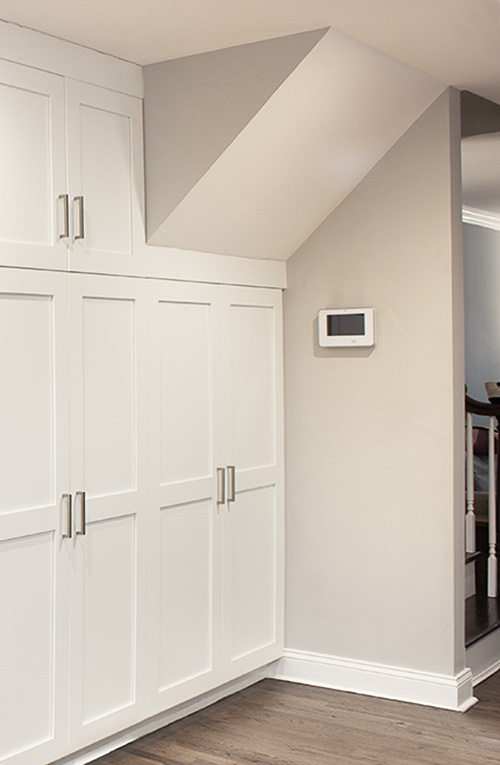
(278, 172)
(195, 107)
(455, 41)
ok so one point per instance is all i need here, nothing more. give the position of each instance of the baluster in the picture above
(492, 516)
(470, 518)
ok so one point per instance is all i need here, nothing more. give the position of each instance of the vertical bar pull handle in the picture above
(69, 516)
(221, 486)
(65, 206)
(81, 528)
(81, 218)
(231, 483)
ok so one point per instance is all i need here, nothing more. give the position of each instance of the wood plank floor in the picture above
(278, 723)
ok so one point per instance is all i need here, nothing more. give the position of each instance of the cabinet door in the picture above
(33, 516)
(185, 518)
(32, 161)
(108, 463)
(253, 444)
(106, 184)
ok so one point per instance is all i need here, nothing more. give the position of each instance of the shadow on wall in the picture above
(338, 353)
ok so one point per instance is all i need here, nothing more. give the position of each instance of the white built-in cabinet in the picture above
(108, 481)
(71, 187)
(141, 441)
(73, 510)
(216, 483)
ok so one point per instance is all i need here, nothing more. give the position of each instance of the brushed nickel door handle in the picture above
(221, 486)
(65, 204)
(81, 529)
(67, 534)
(231, 483)
(81, 218)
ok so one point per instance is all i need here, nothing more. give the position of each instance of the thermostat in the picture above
(346, 327)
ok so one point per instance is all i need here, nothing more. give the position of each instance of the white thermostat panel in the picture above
(346, 327)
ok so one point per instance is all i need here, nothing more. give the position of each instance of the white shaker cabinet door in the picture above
(184, 398)
(106, 183)
(108, 477)
(253, 453)
(33, 221)
(35, 520)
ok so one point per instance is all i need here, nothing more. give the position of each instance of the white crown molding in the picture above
(188, 265)
(444, 691)
(42, 51)
(481, 218)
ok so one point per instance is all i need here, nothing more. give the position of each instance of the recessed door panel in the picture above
(32, 158)
(106, 183)
(27, 401)
(25, 153)
(27, 645)
(186, 391)
(186, 592)
(109, 617)
(251, 361)
(106, 179)
(109, 406)
(250, 547)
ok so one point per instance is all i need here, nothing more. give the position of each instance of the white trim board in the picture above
(443, 691)
(483, 657)
(187, 265)
(41, 51)
(481, 218)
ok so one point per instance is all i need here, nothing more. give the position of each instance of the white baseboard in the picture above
(443, 691)
(482, 657)
(165, 718)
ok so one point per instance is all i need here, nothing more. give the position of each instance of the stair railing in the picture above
(492, 411)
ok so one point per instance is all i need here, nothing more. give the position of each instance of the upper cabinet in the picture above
(105, 179)
(32, 158)
(72, 186)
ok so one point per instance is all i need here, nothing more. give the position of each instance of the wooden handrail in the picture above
(482, 407)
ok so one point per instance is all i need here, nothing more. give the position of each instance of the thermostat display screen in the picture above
(346, 327)
(345, 324)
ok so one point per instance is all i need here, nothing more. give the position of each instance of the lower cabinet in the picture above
(34, 558)
(141, 510)
(216, 504)
(108, 479)
(73, 511)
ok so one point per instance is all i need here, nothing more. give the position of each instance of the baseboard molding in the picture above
(145, 727)
(482, 657)
(443, 691)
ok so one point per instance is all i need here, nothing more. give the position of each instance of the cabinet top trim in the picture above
(42, 51)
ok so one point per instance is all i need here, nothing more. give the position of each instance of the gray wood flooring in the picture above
(278, 723)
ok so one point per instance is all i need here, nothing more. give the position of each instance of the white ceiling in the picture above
(455, 41)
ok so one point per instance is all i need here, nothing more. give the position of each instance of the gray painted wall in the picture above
(373, 437)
